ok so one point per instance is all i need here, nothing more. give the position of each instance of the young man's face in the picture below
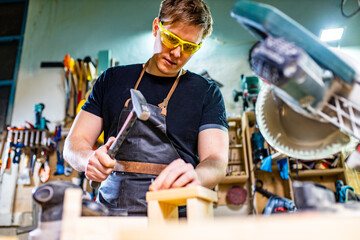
(168, 61)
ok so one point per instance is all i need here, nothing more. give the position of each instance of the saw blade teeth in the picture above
(268, 118)
(312, 152)
(287, 149)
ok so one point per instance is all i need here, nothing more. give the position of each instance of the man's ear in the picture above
(155, 26)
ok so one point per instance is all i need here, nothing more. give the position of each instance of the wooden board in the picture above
(76, 227)
(178, 196)
(313, 225)
(279, 227)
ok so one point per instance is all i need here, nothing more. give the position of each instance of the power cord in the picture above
(350, 15)
(254, 191)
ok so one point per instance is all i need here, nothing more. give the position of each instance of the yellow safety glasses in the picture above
(170, 40)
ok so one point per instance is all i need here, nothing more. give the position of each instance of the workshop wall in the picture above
(84, 27)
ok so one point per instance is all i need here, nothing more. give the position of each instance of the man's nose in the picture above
(176, 51)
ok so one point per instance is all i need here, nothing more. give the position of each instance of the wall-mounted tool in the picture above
(140, 111)
(24, 177)
(40, 121)
(18, 146)
(275, 204)
(2, 147)
(257, 143)
(60, 163)
(250, 87)
(59, 154)
(236, 195)
(44, 172)
(345, 193)
(10, 142)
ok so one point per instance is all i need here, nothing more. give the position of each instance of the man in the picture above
(186, 132)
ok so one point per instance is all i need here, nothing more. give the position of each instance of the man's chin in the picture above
(168, 68)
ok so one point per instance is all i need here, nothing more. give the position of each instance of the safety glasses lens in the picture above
(171, 41)
(189, 48)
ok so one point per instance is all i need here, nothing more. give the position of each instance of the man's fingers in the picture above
(177, 174)
(104, 159)
(109, 142)
(100, 165)
(157, 184)
(189, 178)
(95, 175)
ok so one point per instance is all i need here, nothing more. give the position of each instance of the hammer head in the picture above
(140, 106)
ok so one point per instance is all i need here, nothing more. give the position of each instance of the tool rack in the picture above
(16, 206)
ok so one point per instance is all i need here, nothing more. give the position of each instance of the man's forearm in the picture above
(211, 171)
(77, 152)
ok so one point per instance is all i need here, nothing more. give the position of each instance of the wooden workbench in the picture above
(342, 224)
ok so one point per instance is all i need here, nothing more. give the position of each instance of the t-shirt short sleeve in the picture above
(94, 101)
(214, 114)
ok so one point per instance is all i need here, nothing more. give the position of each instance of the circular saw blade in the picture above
(293, 134)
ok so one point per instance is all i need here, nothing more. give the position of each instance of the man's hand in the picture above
(177, 174)
(100, 165)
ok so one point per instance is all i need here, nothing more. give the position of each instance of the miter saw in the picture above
(311, 104)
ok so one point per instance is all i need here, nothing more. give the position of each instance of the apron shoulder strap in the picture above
(164, 104)
(138, 82)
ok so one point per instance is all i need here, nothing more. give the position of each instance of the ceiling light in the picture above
(333, 34)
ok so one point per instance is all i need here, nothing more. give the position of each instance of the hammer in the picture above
(140, 111)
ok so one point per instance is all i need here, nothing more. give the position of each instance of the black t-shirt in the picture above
(195, 105)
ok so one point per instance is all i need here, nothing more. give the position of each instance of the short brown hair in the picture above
(194, 12)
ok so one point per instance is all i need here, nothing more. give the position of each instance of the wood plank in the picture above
(234, 179)
(318, 172)
(178, 196)
(198, 210)
(76, 227)
(281, 227)
(236, 146)
(160, 213)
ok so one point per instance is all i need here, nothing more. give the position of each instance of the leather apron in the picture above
(124, 192)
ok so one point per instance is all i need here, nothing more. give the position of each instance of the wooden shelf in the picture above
(234, 119)
(235, 146)
(235, 163)
(234, 179)
(319, 172)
